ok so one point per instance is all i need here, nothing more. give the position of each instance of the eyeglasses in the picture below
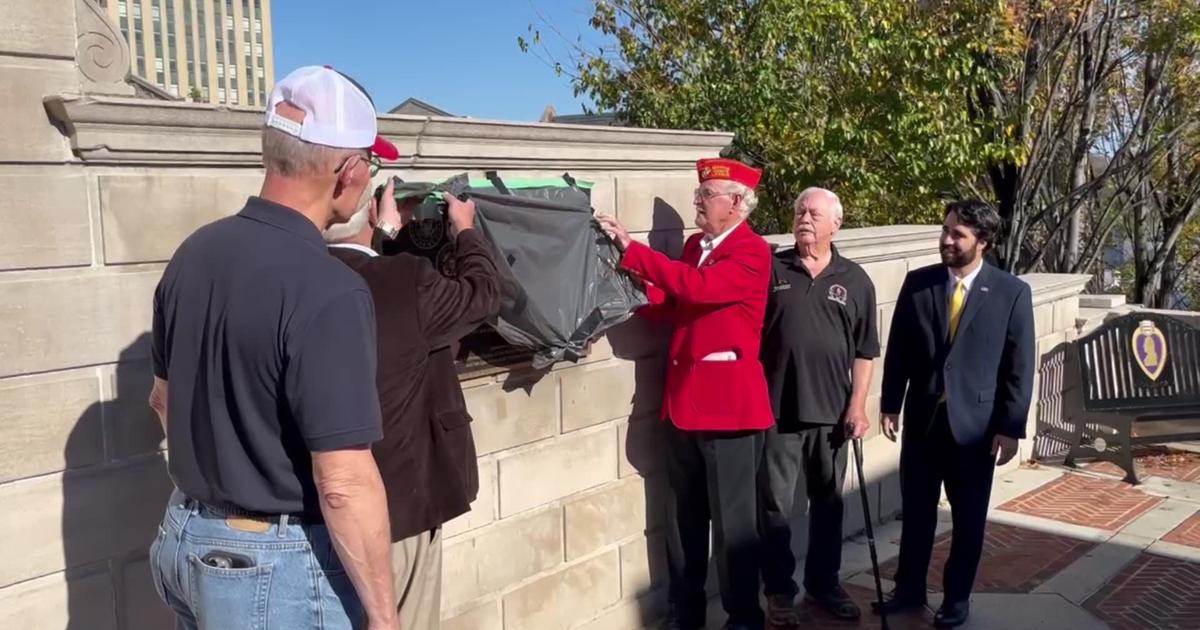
(373, 163)
(707, 195)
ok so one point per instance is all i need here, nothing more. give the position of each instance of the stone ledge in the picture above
(107, 130)
(871, 244)
(1051, 287)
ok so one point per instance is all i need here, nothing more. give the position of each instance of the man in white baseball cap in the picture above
(264, 363)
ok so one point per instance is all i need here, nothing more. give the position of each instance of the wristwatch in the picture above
(388, 229)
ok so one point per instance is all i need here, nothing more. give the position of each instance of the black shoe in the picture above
(952, 615)
(836, 601)
(899, 601)
(678, 619)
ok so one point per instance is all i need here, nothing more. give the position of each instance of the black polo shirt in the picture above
(815, 329)
(268, 347)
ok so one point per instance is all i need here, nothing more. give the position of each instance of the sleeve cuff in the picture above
(344, 439)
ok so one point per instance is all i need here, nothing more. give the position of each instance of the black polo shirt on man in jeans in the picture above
(815, 329)
(268, 344)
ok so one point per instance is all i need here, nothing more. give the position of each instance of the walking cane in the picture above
(866, 503)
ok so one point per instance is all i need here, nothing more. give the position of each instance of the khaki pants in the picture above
(417, 569)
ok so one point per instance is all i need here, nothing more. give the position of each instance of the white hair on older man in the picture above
(749, 197)
(830, 196)
(339, 232)
(290, 156)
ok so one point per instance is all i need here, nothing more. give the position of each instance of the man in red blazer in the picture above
(716, 394)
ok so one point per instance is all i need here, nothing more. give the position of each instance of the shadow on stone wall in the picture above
(111, 511)
(644, 342)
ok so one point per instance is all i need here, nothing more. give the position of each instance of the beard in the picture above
(956, 258)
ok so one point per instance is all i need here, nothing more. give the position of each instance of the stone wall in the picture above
(96, 191)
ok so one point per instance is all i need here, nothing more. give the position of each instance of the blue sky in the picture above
(460, 55)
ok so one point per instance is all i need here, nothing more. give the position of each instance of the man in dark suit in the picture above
(960, 360)
(427, 455)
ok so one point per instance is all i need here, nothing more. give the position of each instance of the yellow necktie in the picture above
(956, 306)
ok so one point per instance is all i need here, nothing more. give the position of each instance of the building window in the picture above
(221, 94)
(262, 74)
(122, 10)
(233, 96)
(162, 80)
(158, 64)
(137, 10)
(204, 92)
(220, 71)
(155, 12)
(233, 71)
(229, 21)
(174, 90)
(258, 50)
(245, 23)
(157, 42)
(257, 25)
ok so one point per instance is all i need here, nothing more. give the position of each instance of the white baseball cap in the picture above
(337, 111)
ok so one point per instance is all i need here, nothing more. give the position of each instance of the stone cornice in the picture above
(105, 130)
(874, 244)
(1051, 287)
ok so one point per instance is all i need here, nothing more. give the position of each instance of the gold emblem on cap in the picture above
(720, 171)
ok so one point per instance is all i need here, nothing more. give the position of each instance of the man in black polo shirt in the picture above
(819, 342)
(264, 365)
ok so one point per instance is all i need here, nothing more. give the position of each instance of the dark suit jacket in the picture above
(986, 374)
(427, 455)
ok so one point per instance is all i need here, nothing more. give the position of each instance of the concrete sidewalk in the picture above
(1076, 549)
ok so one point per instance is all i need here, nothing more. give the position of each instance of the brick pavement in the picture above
(1087, 501)
(1156, 461)
(1151, 592)
(1015, 560)
(1187, 533)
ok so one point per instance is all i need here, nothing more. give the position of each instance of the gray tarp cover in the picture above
(560, 284)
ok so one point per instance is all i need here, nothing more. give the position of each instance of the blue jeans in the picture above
(285, 577)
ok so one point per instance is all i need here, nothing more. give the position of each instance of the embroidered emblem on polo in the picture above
(837, 293)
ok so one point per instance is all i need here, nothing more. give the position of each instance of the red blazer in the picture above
(716, 307)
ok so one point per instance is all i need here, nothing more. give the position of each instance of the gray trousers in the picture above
(819, 451)
(417, 572)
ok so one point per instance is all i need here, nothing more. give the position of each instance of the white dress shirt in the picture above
(967, 281)
(355, 246)
(709, 243)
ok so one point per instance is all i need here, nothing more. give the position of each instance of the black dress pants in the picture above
(712, 479)
(928, 459)
(819, 451)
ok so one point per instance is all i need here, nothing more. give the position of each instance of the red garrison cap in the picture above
(725, 168)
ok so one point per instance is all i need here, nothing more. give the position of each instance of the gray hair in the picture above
(339, 232)
(829, 195)
(749, 197)
(290, 156)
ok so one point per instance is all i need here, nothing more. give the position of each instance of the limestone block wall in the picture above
(97, 190)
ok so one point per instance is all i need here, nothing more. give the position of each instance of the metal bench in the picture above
(1134, 380)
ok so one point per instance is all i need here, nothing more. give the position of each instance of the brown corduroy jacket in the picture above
(427, 455)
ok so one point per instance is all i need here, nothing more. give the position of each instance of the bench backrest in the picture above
(1140, 361)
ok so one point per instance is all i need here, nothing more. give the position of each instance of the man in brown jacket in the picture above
(427, 455)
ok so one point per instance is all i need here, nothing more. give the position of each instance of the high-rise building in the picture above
(216, 51)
